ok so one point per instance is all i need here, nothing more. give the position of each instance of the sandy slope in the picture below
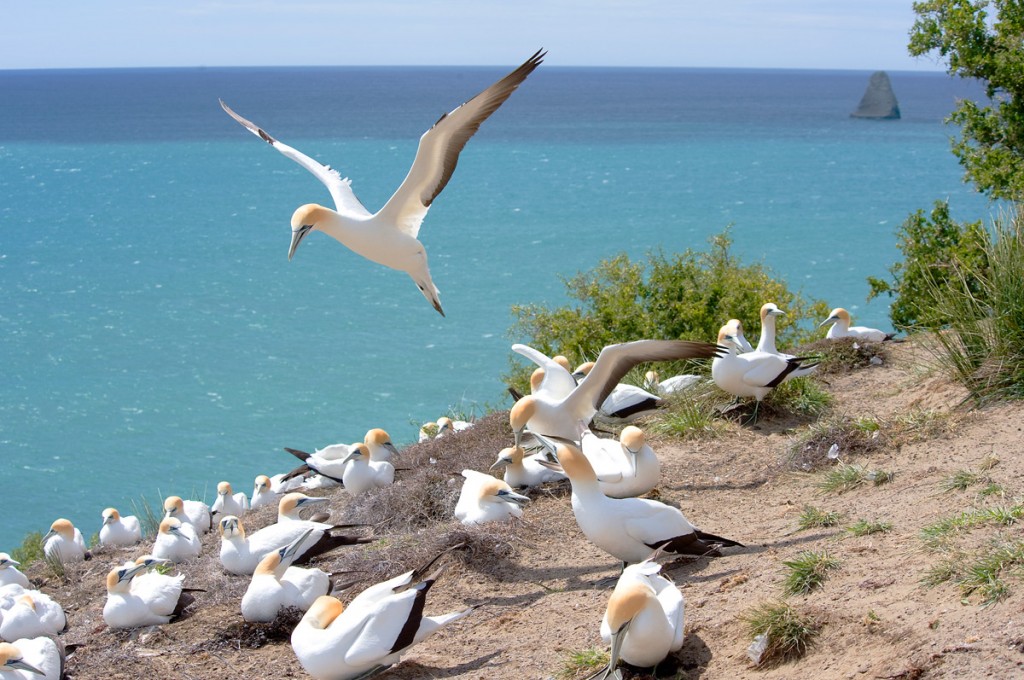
(537, 590)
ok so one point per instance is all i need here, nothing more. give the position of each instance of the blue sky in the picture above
(857, 34)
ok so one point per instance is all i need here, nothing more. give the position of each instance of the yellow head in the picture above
(575, 464)
(173, 506)
(262, 483)
(110, 515)
(632, 437)
(304, 220)
(323, 612)
(627, 600)
(231, 527)
(224, 489)
(377, 436)
(64, 528)
(562, 361)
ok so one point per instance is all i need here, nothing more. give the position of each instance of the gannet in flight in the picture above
(118, 530)
(487, 499)
(64, 542)
(841, 328)
(389, 237)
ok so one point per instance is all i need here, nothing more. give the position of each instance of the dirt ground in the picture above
(537, 585)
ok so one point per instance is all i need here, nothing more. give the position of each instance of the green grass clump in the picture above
(845, 478)
(583, 661)
(149, 520)
(803, 396)
(812, 517)
(30, 550)
(863, 527)
(789, 632)
(982, 574)
(961, 480)
(808, 571)
(936, 536)
(691, 415)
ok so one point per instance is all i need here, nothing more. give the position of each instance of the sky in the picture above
(825, 34)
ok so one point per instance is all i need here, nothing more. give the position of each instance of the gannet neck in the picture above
(628, 599)
(632, 438)
(577, 468)
(323, 612)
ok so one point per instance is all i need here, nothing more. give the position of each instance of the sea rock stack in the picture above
(878, 101)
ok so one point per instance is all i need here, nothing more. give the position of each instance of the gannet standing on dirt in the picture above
(522, 471)
(841, 328)
(486, 499)
(9, 573)
(131, 608)
(644, 619)
(176, 541)
(751, 374)
(118, 530)
(40, 658)
(228, 502)
(626, 467)
(389, 237)
(33, 613)
(195, 513)
(239, 553)
(64, 542)
(629, 529)
(276, 584)
(380, 624)
(559, 417)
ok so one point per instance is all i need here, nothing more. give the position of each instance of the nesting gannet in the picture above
(524, 471)
(329, 462)
(766, 341)
(630, 529)
(64, 542)
(625, 467)
(378, 441)
(285, 482)
(389, 237)
(118, 530)
(751, 374)
(262, 494)
(128, 607)
(9, 572)
(333, 642)
(195, 513)
(361, 474)
(644, 618)
(736, 330)
(670, 385)
(289, 506)
(176, 541)
(276, 584)
(559, 417)
(625, 402)
(240, 553)
(228, 502)
(161, 590)
(33, 613)
(841, 328)
(487, 499)
(40, 658)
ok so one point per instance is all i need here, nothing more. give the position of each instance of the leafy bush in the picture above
(936, 249)
(686, 296)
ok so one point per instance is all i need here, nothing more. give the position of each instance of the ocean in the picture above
(155, 339)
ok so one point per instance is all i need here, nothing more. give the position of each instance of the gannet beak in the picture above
(632, 461)
(13, 562)
(128, 574)
(830, 319)
(293, 547)
(349, 457)
(516, 498)
(500, 463)
(297, 237)
(155, 560)
(19, 664)
(618, 637)
(49, 534)
(310, 500)
(392, 448)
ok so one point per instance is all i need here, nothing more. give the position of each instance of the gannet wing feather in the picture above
(557, 380)
(439, 149)
(345, 200)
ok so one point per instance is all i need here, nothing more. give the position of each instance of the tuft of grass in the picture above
(812, 517)
(936, 536)
(789, 632)
(148, 519)
(845, 478)
(979, 574)
(843, 355)
(808, 571)
(804, 396)
(863, 527)
(691, 415)
(961, 480)
(851, 436)
(991, 489)
(30, 550)
(578, 662)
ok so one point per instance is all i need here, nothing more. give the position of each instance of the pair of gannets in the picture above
(64, 542)
(750, 374)
(841, 328)
(228, 502)
(176, 541)
(29, 613)
(277, 584)
(554, 412)
(195, 513)
(335, 642)
(629, 529)
(137, 598)
(9, 573)
(524, 471)
(40, 658)
(389, 237)
(486, 499)
(241, 553)
(332, 461)
(119, 531)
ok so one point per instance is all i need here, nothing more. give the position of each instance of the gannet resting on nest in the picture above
(31, 614)
(289, 506)
(119, 531)
(40, 658)
(239, 553)
(486, 499)
(228, 502)
(132, 608)
(766, 342)
(670, 385)
(176, 541)
(262, 493)
(9, 573)
(276, 584)
(64, 542)
(195, 513)
(523, 471)
(389, 237)
(362, 474)
(841, 328)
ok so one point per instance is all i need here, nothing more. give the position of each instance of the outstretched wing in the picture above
(345, 200)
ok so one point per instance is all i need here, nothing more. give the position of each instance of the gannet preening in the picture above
(736, 330)
(766, 342)
(644, 619)
(523, 471)
(262, 494)
(33, 613)
(195, 513)
(40, 658)
(361, 474)
(276, 584)
(118, 530)
(751, 374)
(487, 499)
(333, 642)
(841, 328)
(64, 542)
(559, 417)
(630, 529)
(228, 502)
(389, 237)
(290, 505)
(9, 573)
(239, 553)
(626, 467)
(176, 541)
(128, 607)
(670, 385)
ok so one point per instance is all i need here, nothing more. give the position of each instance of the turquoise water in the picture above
(155, 338)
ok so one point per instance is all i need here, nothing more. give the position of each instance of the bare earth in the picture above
(537, 585)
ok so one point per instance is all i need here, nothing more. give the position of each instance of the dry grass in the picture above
(844, 355)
